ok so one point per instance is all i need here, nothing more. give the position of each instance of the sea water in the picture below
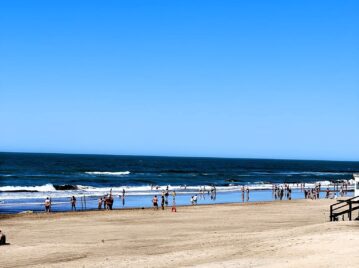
(27, 179)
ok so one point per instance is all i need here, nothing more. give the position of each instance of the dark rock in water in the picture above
(232, 180)
(19, 191)
(65, 187)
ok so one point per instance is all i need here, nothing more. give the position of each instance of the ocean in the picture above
(27, 178)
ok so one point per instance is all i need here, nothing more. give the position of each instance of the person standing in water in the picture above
(163, 202)
(242, 189)
(173, 198)
(99, 204)
(166, 196)
(123, 197)
(155, 202)
(47, 205)
(73, 203)
(195, 199)
(247, 194)
(327, 193)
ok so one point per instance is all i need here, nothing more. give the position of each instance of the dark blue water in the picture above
(18, 169)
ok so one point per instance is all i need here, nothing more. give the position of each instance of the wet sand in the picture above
(293, 233)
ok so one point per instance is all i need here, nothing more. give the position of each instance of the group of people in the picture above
(106, 202)
(48, 204)
(280, 192)
(212, 192)
(164, 199)
(314, 193)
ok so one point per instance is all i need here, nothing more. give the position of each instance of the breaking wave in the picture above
(61, 191)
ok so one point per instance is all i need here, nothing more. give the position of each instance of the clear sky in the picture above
(267, 79)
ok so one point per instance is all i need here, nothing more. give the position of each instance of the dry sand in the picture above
(273, 234)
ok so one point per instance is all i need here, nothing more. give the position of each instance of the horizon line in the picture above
(177, 156)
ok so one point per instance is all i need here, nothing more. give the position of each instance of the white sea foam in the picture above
(43, 188)
(49, 190)
(108, 173)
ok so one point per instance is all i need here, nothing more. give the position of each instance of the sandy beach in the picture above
(271, 234)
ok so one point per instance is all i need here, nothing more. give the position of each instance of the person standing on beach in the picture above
(242, 189)
(155, 202)
(47, 205)
(2, 239)
(100, 201)
(73, 203)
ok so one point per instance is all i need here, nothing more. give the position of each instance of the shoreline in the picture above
(168, 208)
(144, 201)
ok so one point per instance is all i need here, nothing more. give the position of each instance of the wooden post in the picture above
(331, 213)
(350, 210)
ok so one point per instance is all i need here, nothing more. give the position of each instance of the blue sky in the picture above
(267, 79)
